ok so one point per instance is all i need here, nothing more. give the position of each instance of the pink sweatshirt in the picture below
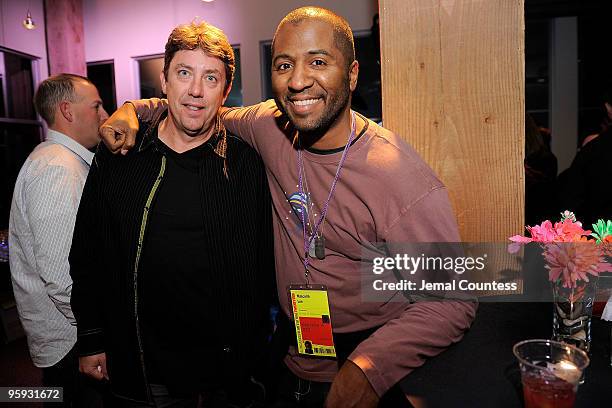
(386, 193)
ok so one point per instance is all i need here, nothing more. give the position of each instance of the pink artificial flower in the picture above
(542, 233)
(565, 231)
(570, 262)
(517, 241)
(569, 231)
(570, 256)
(606, 246)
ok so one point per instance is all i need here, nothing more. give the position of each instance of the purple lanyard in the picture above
(308, 239)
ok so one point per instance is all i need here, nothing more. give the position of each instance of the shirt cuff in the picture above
(374, 376)
(90, 342)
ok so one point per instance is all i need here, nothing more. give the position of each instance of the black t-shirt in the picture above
(175, 264)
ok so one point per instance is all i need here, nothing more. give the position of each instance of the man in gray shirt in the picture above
(43, 212)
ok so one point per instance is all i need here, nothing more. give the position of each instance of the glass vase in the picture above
(572, 311)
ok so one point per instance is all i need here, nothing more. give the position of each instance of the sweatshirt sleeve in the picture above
(425, 328)
(146, 109)
(247, 123)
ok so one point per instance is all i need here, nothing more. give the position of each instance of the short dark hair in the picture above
(52, 91)
(206, 37)
(343, 35)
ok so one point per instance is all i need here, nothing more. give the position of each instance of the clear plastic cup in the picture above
(550, 372)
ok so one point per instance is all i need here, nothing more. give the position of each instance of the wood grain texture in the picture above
(453, 87)
(65, 37)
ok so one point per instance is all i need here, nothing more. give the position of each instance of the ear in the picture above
(353, 74)
(65, 109)
(162, 80)
(227, 92)
(608, 109)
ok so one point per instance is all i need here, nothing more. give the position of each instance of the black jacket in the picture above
(109, 238)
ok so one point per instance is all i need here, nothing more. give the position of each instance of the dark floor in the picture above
(17, 370)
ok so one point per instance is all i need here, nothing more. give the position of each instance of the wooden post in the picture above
(453, 87)
(65, 37)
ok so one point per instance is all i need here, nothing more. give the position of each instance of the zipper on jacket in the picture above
(143, 225)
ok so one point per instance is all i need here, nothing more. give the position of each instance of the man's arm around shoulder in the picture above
(120, 129)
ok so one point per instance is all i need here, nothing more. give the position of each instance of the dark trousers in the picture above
(78, 390)
(63, 374)
(212, 399)
(161, 399)
(294, 392)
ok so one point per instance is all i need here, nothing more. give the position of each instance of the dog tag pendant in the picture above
(311, 249)
(319, 244)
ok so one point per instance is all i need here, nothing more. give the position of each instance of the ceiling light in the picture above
(28, 23)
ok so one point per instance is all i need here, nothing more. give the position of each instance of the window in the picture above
(17, 87)
(537, 83)
(367, 98)
(265, 48)
(150, 66)
(102, 74)
(148, 70)
(594, 79)
(235, 96)
(20, 130)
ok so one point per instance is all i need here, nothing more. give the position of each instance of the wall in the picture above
(120, 30)
(14, 36)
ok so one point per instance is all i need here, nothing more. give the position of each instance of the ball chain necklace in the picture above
(316, 236)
